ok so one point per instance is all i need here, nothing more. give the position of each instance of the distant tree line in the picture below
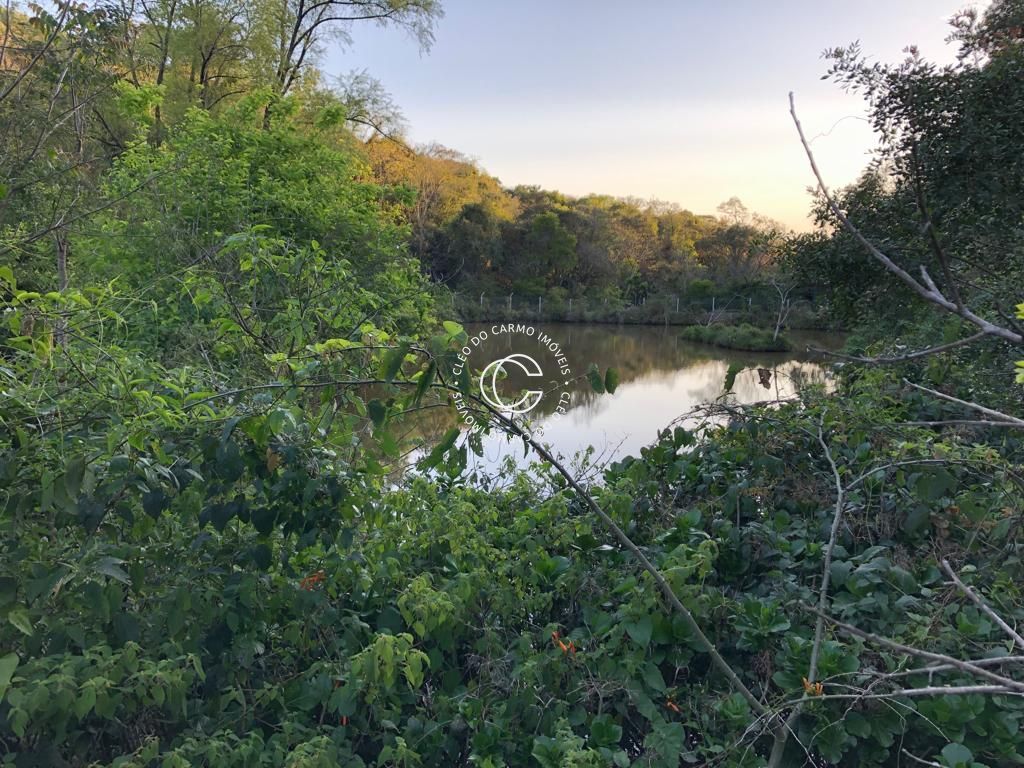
(475, 235)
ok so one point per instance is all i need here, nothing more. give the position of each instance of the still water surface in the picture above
(661, 377)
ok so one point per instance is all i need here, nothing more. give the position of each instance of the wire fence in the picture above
(668, 309)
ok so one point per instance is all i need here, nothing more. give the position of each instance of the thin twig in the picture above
(963, 422)
(782, 735)
(928, 290)
(997, 415)
(963, 666)
(978, 601)
(900, 358)
(919, 760)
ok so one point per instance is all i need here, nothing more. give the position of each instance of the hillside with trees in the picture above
(226, 287)
(478, 238)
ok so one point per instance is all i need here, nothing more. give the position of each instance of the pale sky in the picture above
(682, 100)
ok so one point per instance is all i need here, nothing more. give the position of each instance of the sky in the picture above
(680, 100)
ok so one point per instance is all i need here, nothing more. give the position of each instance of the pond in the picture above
(661, 377)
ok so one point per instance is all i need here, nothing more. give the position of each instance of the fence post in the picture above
(712, 303)
(570, 305)
(540, 304)
(510, 303)
(481, 300)
(677, 303)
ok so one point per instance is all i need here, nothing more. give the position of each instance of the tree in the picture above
(734, 211)
(444, 182)
(550, 249)
(56, 67)
(471, 244)
(296, 28)
(734, 253)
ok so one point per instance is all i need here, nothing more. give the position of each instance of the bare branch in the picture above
(932, 669)
(901, 358)
(47, 44)
(996, 415)
(929, 292)
(928, 229)
(914, 693)
(918, 760)
(964, 666)
(985, 607)
(963, 422)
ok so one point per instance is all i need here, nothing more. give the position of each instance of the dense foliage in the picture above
(479, 238)
(221, 543)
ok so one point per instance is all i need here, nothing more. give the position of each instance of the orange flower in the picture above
(813, 689)
(312, 580)
(673, 706)
(569, 647)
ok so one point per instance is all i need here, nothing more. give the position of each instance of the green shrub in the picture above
(745, 337)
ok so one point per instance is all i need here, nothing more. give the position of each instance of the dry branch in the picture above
(925, 288)
(980, 602)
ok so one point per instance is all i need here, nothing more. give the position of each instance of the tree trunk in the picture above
(60, 237)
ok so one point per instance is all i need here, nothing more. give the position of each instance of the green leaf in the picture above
(391, 364)
(8, 590)
(20, 620)
(731, 374)
(857, 724)
(111, 566)
(435, 456)
(378, 412)
(263, 519)
(154, 502)
(547, 752)
(8, 664)
(604, 731)
(640, 630)
(654, 678)
(262, 556)
(594, 377)
(85, 702)
(73, 474)
(611, 381)
(957, 756)
(425, 380)
(229, 427)
(933, 485)
(668, 740)
(452, 329)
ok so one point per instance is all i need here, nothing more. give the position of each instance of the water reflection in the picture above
(660, 378)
